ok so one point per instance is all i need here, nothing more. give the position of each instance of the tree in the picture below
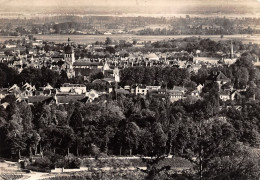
(15, 134)
(108, 41)
(76, 120)
(129, 136)
(108, 122)
(26, 115)
(243, 163)
(215, 139)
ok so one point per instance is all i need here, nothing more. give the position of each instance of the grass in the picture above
(175, 162)
(93, 38)
(107, 175)
(10, 176)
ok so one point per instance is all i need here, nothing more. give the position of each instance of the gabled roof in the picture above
(121, 91)
(65, 99)
(224, 93)
(87, 63)
(179, 88)
(40, 99)
(217, 76)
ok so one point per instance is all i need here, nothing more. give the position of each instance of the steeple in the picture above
(69, 55)
(231, 50)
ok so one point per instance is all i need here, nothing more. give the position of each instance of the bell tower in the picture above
(231, 50)
(69, 55)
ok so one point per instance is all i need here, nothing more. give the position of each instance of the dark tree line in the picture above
(132, 125)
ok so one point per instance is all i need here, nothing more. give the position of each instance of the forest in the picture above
(214, 141)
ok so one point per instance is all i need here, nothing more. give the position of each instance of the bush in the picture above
(10, 176)
(73, 163)
(43, 163)
(38, 169)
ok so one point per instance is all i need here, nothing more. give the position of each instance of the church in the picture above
(86, 67)
(69, 58)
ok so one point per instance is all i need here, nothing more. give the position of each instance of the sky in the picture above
(115, 3)
(137, 6)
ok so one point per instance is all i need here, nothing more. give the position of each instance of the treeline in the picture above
(207, 46)
(93, 24)
(42, 77)
(164, 76)
(135, 125)
(242, 73)
(195, 31)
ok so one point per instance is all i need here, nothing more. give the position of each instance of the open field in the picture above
(93, 38)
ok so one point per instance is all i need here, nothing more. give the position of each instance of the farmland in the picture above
(93, 38)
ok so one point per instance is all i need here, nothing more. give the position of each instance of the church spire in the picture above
(231, 50)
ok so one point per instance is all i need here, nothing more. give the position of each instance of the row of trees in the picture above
(188, 25)
(213, 141)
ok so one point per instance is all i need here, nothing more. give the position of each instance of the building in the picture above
(175, 95)
(69, 55)
(69, 58)
(139, 89)
(73, 88)
(224, 95)
(217, 76)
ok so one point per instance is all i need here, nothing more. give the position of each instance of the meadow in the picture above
(88, 39)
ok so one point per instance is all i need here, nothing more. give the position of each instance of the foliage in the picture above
(11, 176)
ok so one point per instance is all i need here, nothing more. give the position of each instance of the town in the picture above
(123, 90)
(102, 65)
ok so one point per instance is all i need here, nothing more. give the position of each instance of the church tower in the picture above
(231, 51)
(116, 74)
(69, 58)
(69, 55)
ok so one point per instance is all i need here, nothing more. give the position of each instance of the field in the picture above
(93, 38)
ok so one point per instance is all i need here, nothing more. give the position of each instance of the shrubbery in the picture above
(10, 176)
(44, 162)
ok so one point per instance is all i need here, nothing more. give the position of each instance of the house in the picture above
(217, 76)
(4, 105)
(73, 88)
(46, 90)
(87, 67)
(128, 88)
(179, 88)
(199, 88)
(152, 57)
(122, 91)
(109, 80)
(195, 93)
(10, 46)
(153, 88)
(92, 95)
(224, 95)
(41, 99)
(28, 89)
(14, 90)
(162, 91)
(236, 95)
(3, 93)
(67, 98)
(47, 87)
(175, 95)
(139, 89)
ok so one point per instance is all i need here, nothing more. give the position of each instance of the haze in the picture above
(159, 3)
(137, 6)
